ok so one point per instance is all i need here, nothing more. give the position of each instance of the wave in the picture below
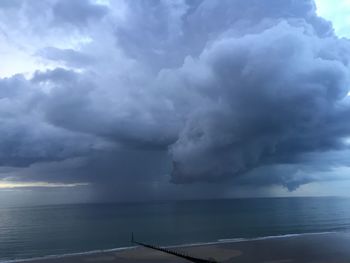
(97, 251)
(232, 240)
(219, 241)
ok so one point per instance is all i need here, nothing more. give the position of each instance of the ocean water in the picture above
(56, 230)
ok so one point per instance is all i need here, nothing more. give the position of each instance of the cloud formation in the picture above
(269, 98)
(195, 91)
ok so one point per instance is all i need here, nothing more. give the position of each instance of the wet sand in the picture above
(321, 248)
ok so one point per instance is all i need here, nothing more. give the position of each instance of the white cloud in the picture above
(10, 185)
(23, 34)
(338, 12)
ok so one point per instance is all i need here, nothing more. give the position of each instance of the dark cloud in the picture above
(69, 57)
(77, 13)
(10, 4)
(77, 103)
(185, 28)
(270, 97)
(25, 137)
(186, 91)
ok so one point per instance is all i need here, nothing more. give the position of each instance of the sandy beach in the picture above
(332, 247)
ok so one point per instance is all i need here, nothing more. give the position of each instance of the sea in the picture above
(58, 230)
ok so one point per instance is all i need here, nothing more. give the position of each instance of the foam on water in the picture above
(230, 240)
(69, 254)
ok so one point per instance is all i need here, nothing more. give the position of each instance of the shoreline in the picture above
(179, 246)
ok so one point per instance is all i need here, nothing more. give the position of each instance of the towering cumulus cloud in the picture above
(268, 97)
(252, 91)
(270, 85)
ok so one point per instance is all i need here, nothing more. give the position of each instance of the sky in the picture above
(142, 100)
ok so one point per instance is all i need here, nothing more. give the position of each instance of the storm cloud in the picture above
(151, 92)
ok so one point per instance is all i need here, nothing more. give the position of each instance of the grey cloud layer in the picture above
(211, 89)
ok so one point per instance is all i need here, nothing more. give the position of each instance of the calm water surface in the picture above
(52, 230)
